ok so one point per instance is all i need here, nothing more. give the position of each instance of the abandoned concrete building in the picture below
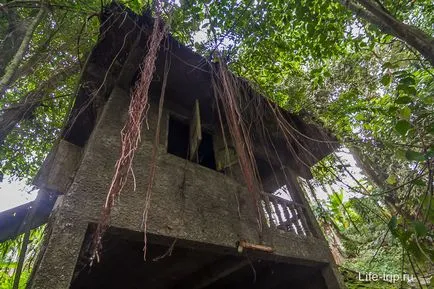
(202, 230)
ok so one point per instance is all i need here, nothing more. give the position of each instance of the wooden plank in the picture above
(297, 213)
(195, 131)
(277, 210)
(307, 215)
(286, 202)
(286, 213)
(296, 223)
(304, 222)
(225, 158)
(268, 210)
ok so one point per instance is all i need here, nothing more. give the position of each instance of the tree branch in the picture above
(15, 62)
(37, 56)
(21, 259)
(29, 102)
(21, 4)
(14, 35)
(413, 36)
(366, 15)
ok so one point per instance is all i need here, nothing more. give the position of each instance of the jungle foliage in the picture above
(363, 68)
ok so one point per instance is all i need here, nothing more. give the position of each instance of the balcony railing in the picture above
(285, 215)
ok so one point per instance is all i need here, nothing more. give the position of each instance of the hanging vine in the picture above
(130, 134)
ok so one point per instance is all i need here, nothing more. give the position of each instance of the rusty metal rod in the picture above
(243, 244)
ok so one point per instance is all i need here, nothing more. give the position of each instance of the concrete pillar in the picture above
(332, 277)
(59, 256)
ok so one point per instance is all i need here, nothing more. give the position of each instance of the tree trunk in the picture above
(25, 108)
(16, 60)
(370, 11)
(12, 36)
(21, 259)
(378, 178)
(31, 63)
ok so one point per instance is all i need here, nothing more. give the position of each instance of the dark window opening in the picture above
(206, 151)
(179, 140)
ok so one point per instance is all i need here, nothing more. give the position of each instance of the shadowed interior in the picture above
(187, 266)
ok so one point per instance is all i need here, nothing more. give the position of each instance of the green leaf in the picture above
(414, 249)
(359, 117)
(403, 99)
(388, 65)
(414, 156)
(407, 81)
(405, 113)
(392, 223)
(420, 228)
(419, 182)
(400, 154)
(403, 236)
(391, 180)
(430, 153)
(431, 128)
(402, 127)
(386, 79)
(392, 109)
(411, 90)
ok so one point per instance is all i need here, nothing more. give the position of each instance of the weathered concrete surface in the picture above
(58, 170)
(188, 202)
(60, 254)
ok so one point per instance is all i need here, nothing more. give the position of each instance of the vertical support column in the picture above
(332, 277)
(294, 187)
(60, 255)
(267, 206)
(330, 272)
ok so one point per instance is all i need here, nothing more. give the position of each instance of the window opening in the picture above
(205, 155)
(179, 143)
(178, 138)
